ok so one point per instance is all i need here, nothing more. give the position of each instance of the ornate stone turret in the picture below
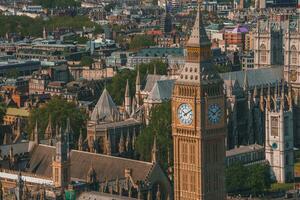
(80, 142)
(61, 163)
(108, 144)
(69, 134)
(138, 87)
(49, 130)
(19, 187)
(44, 33)
(121, 143)
(154, 157)
(36, 134)
(128, 141)
(158, 194)
(127, 99)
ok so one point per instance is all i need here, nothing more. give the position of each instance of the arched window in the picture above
(263, 54)
(293, 55)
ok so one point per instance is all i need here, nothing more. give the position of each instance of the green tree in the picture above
(141, 41)
(86, 61)
(57, 3)
(235, 177)
(117, 85)
(259, 178)
(60, 110)
(159, 127)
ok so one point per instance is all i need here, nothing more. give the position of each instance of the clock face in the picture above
(214, 113)
(274, 145)
(185, 114)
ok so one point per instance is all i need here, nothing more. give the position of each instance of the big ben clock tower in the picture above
(198, 123)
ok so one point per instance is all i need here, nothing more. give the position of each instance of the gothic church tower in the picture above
(198, 123)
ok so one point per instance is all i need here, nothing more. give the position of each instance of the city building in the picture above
(279, 135)
(198, 123)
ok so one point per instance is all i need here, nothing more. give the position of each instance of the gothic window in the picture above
(184, 181)
(263, 54)
(184, 152)
(56, 174)
(293, 55)
(274, 126)
(193, 182)
(192, 154)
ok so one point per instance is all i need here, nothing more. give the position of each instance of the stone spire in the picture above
(108, 144)
(269, 98)
(36, 134)
(127, 99)
(80, 142)
(158, 194)
(68, 134)
(19, 187)
(138, 86)
(198, 36)
(128, 141)
(49, 130)
(154, 151)
(261, 100)
(44, 33)
(282, 100)
(121, 143)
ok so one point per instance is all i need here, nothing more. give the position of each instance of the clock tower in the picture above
(198, 123)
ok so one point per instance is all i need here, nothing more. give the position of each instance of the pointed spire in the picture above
(5, 139)
(128, 141)
(149, 195)
(138, 79)
(36, 134)
(49, 129)
(121, 143)
(269, 98)
(198, 36)
(80, 141)
(154, 151)
(127, 99)
(261, 100)
(108, 144)
(282, 105)
(127, 89)
(158, 194)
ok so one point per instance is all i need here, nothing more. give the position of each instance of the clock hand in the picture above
(185, 114)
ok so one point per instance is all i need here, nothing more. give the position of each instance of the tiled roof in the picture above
(244, 149)
(162, 90)
(256, 77)
(105, 108)
(151, 80)
(109, 167)
(160, 52)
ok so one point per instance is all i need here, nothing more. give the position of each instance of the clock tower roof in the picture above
(198, 68)
(198, 35)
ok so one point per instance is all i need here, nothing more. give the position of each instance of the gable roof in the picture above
(256, 77)
(109, 167)
(105, 108)
(161, 91)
